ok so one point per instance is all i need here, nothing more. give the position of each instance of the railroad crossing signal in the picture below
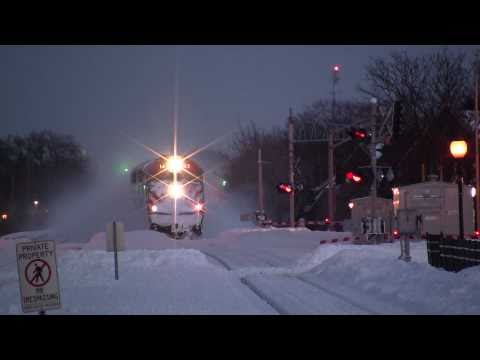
(359, 135)
(285, 188)
(352, 177)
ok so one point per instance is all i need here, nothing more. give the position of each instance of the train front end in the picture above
(175, 197)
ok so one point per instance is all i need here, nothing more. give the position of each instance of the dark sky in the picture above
(95, 92)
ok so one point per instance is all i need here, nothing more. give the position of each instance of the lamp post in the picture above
(459, 149)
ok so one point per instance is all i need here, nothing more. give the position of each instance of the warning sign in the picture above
(37, 272)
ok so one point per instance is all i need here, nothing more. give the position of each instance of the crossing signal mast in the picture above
(372, 135)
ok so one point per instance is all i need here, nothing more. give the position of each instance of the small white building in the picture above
(362, 208)
(432, 207)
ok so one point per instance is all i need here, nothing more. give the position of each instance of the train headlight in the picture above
(175, 164)
(175, 191)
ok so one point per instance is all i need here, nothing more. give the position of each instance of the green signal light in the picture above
(125, 170)
(224, 183)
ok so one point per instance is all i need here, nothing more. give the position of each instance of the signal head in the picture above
(285, 188)
(353, 177)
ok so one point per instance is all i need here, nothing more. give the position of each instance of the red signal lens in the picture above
(351, 176)
(360, 134)
(286, 188)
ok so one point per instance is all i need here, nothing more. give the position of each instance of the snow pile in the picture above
(290, 241)
(159, 275)
(317, 257)
(150, 282)
(416, 287)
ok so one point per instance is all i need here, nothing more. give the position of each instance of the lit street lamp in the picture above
(459, 149)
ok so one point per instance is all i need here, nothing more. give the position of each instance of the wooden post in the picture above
(115, 249)
(260, 182)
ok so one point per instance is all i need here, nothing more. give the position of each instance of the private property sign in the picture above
(37, 273)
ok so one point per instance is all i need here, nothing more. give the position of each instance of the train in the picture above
(174, 195)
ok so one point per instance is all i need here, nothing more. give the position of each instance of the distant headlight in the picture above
(154, 208)
(198, 207)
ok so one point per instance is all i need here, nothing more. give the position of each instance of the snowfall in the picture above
(245, 271)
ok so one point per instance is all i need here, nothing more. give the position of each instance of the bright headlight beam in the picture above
(175, 191)
(175, 164)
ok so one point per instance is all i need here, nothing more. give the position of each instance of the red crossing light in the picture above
(285, 188)
(360, 134)
(351, 176)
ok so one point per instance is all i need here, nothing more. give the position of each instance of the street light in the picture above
(459, 149)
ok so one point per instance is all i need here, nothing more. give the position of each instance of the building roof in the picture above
(430, 185)
(369, 197)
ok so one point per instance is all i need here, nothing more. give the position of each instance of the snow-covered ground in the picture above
(246, 271)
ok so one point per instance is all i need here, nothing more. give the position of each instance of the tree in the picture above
(432, 89)
(41, 165)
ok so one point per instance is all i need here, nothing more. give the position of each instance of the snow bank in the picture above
(150, 282)
(142, 240)
(416, 286)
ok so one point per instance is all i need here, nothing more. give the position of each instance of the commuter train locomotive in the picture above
(173, 190)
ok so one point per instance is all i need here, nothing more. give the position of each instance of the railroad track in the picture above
(294, 295)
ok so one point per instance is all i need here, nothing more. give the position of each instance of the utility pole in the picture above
(331, 179)
(260, 182)
(331, 146)
(373, 155)
(477, 170)
(291, 168)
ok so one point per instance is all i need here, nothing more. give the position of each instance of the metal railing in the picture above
(452, 254)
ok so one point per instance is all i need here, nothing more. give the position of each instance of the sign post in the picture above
(38, 276)
(115, 241)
